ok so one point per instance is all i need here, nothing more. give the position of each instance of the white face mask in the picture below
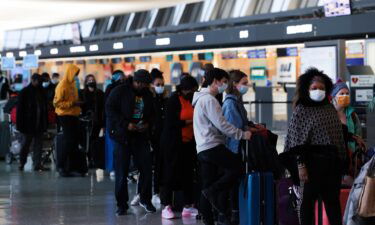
(55, 81)
(222, 88)
(317, 95)
(159, 90)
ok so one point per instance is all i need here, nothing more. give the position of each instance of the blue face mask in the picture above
(45, 84)
(243, 89)
(18, 87)
(76, 79)
(222, 88)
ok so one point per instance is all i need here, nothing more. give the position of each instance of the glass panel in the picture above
(27, 37)
(56, 33)
(86, 27)
(277, 6)
(68, 32)
(12, 39)
(41, 35)
(192, 13)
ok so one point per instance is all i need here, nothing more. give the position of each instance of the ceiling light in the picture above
(38, 52)
(299, 29)
(76, 49)
(94, 48)
(22, 53)
(54, 51)
(244, 34)
(9, 54)
(163, 41)
(199, 38)
(118, 45)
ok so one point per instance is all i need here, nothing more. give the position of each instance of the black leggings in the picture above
(324, 182)
(184, 171)
(70, 126)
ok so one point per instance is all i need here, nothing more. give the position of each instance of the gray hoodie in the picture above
(210, 126)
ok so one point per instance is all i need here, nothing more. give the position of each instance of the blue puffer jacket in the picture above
(236, 114)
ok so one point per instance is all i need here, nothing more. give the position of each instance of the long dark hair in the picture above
(86, 79)
(303, 85)
(235, 76)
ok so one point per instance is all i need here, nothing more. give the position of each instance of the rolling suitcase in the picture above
(77, 160)
(256, 197)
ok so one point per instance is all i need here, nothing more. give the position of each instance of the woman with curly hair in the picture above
(315, 137)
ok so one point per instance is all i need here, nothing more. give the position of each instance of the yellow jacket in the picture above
(66, 94)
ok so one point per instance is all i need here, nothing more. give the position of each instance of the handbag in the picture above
(366, 207)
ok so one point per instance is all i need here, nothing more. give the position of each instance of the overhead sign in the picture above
(30, 62)
(322, 58)
(337, 8)
(8, 63)
(362, 80)
(286, 69)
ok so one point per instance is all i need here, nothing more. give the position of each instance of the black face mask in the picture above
(91, 85)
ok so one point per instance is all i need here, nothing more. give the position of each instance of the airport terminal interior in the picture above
(105, 117)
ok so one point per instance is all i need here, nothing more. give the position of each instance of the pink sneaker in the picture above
(167, 213)
(190, 212)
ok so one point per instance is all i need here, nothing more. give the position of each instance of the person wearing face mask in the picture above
(49, 90)
(32, 121)
(55, 79)
(236, 114)
(159, 99)
(315, 140)
(129, 111)
(352, 126)
(178, 149)
(118, 78)
(210, 132)
(93, 107)
(68, 108)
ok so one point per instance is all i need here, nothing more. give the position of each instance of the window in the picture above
(56, 33)
(12, 39)
(141, 20)
(27, 38)
(192, 13)
(41, 35)
(86, 27)
(164, 17)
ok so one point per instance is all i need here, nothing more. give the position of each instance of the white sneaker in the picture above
(167, 213)
(189, 212)
(156, 199)
(136, 200)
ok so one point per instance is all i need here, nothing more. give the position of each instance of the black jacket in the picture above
(4, 88)
(120, 108)
(171, 139)
(32, 100)
(107, 92)
(160, 103)
(94, 102)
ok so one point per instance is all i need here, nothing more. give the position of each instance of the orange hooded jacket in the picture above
(66, 94)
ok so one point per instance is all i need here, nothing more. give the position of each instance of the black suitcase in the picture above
(77, 159)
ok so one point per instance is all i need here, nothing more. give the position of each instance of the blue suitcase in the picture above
(256, 196)
(257, 199)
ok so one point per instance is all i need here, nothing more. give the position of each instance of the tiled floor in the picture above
(32, 198)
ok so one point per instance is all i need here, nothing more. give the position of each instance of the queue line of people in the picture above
(190, 131)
